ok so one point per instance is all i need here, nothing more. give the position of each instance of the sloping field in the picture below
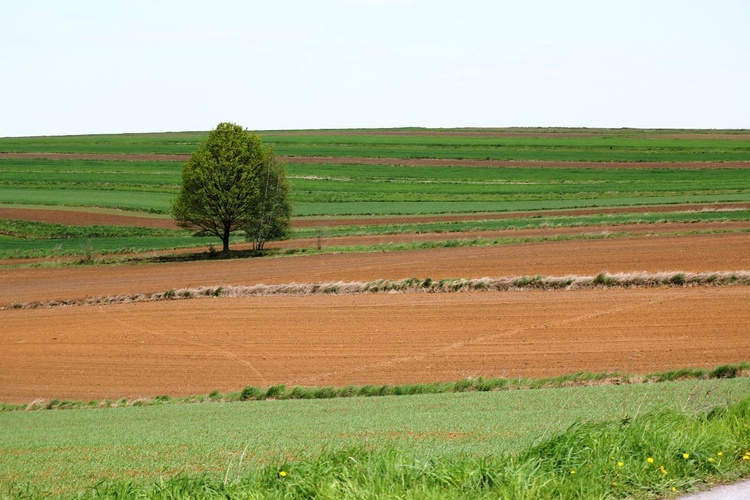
(717, 252)
(195, 346)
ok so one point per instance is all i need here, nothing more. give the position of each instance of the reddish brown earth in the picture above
(86, 218)
(715, 252)
(196, 346)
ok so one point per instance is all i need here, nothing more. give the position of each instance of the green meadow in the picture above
(64, 451)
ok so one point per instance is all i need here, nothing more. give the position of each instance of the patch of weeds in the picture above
(605, 279)
(725, 371)
(275, 392)
(463, 385)
(169, 294)
(677, 279)
(251, 393)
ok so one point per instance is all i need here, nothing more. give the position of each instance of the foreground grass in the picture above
(659, 453)
(439, 444)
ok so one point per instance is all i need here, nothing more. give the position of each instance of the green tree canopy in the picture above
(225, 187)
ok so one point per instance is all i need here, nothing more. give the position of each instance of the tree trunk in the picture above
(225, 239)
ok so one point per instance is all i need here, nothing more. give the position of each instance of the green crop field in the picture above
(66, 450)
(145, 186)
(566, 145)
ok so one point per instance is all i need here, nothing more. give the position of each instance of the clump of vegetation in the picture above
(234, 182)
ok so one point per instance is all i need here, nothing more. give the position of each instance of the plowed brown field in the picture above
(85, 218)
(717, 252)
(195, 346)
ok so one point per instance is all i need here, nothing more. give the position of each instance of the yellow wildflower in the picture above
(662, 469)
(614, 483)
(686, 455)
(650, 460)
(721, 454)
(710, 459)
(573, 471)
(620, 464)
(674, 489)
(282, 473)
(746, 457)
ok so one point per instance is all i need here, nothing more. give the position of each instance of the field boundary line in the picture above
(603, 280)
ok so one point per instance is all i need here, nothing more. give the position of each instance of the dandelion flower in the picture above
(720, 454)
(746, 457)
(674, 489)
(614, 483)
(710, 459)
(282, 473)
(573, 471)
(662, 469)
(686, 455)
(650, 460)
(620, 464)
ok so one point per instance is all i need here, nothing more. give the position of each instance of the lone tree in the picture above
(233, 182)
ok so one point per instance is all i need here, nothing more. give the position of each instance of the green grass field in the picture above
(340, 190)
(376, 189)
(63, 451)
(597, 145)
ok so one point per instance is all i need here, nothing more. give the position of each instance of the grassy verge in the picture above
(480, 384)
(453, 436)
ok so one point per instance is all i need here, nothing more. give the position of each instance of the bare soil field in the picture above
(695, 253)
(196, 346)
(89, 218)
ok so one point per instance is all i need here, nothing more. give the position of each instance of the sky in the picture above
(75, 66)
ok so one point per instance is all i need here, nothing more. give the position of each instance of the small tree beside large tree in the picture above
(234, 182)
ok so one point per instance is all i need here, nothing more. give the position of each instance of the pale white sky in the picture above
(74, 66)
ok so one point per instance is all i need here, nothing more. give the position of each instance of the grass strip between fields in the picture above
(478, 384)
(416, 285)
